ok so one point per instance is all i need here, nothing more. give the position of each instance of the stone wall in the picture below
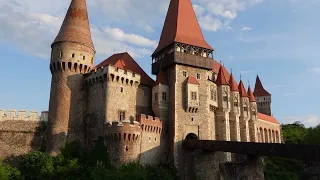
(21, 133)
(268, 132)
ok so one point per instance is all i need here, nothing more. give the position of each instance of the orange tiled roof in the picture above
(251, 96)
(233, 84)
(161, 79)
(192, 80)
(75, 27)
(267, 118)
(242, 90)
(126, 62)
(221, 79)
(181, 25)
(259, 89)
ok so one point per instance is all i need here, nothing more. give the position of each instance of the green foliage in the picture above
(36, 166)
(74, 164)
(284, 169)
(294, 133)
(9, 173)
(313, 136)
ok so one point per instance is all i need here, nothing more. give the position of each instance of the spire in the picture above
(161, 79)
(221, 79)
(259, 89)
(233, 84)
(242, 90)
(250, 94)
(75, 27)
(181, 25)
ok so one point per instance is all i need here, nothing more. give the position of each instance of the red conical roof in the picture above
(161, 79)
(126, 62)
(233, 84)
(75, 27)
(259, 89)
(192, 80)
(221, 79)
(181, 25)
(242, 90)
(251, 96)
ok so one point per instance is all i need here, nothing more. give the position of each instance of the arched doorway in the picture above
(191, 136)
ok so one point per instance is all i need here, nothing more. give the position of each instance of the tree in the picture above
(9, 173)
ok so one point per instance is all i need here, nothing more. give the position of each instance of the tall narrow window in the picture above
(121, 89)
(198, 76)
(211, 94)
(155, 96)
(121, 115)
(235, 104)
(84, 58)
(184, 73)
(194, 96)
(61, 54)
(73, 55)
(164, 96)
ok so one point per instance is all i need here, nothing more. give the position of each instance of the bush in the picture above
(36, 166)
(9, 173)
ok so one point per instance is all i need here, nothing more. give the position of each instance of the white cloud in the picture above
(246, 28)
(209, 23)
(308, 120)
(148, 28)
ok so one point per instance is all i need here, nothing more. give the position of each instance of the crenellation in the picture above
(23, 115)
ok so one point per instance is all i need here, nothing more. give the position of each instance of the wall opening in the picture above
(192, 136)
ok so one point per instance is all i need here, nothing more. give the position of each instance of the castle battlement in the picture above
(23, 115)
(113, 74)
(126, 130)
(150, 123)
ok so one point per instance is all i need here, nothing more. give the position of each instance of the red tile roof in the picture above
(192, 80)
(181, 25)
(221, 79)
(259, 89)
(126, 62)
(251, 96)
(233, 84)
(161, 79)
(267, 118)
(75, 27)
(242, 90)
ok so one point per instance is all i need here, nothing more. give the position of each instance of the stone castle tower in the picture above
(72, 56)
(193, 97)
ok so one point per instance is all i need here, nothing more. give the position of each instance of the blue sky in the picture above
(277, 39)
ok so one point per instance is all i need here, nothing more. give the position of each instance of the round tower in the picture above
(72, 55)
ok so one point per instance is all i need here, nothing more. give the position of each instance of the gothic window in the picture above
(225, 98)
(121, 115)
(198, 76)
(164, 96)
(184, 73)
(235, 104)
(156, 96)
(194, 96)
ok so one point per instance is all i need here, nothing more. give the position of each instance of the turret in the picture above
(72, 56)
(223, 91)
(160, 96)
(263, 98)
(235, 110)
(245, 114)
(253, 116)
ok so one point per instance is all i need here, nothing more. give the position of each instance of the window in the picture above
(121, 89)
(215, 95)
(92, 60)
(198, 76)
(84, 58)
(225, 98)
(245, 108)
(164, 96)
(121, 115)
(235, 104)
(194, 96)
(156, 96)
(61, 54)
(73, 55)
(184, 73)
(212, 94)
(211, 108)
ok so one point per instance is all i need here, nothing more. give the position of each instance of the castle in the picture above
(193, 96)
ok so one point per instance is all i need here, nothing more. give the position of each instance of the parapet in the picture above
(150, 123)
(113, 74)
(23, 115)
(125, 130)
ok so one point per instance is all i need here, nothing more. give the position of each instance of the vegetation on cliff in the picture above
(288, 169)
(75, 164)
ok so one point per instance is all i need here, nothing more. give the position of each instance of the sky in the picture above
(277, 39)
